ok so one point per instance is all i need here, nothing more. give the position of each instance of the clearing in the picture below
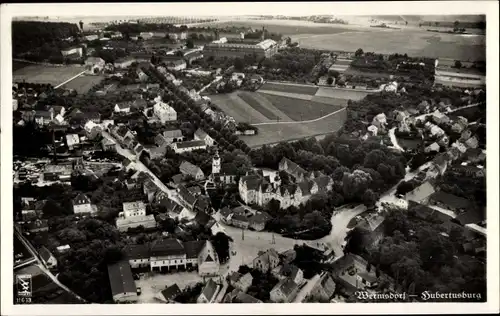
(83, 83)
(290, 88)
(302, 110)
(53, 75)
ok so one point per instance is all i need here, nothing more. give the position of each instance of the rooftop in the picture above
(120, 278)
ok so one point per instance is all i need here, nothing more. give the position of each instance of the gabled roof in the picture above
(193, 248)
(201, 134)
(167, 247)
(121, 279)
(191, 143)
(287, 286)
(421, 192)
(81, 199)
(44, 253)
(210, 290)
(202, 218)
(171, 292)
(186, 195)
(173, 133)
(188, 168)
(322, 181)
(137, 251)
(450, 200)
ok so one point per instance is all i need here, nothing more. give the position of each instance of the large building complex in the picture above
(267, 48)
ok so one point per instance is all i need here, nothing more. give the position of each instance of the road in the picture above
(217, 79)
(394, 140)
(65, 82)
(300, 122)
(139, 166)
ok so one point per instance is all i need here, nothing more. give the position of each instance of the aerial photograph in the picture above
(249, 159)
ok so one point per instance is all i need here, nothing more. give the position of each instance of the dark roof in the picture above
(202, 203)
(44, 114)
(210, 290)
(81, 199)
(191, 143)
(235, 276)
(261, 217)
(122, 130)
(171, 292)
(91, 115)
(252, 181)
(167, 247)
(193, 248)
(322, 181)
(472, 216)
(178, 178)
(137, 251)
(450, 200)
(287, 286)
(140, 103)
(201, 134)
(202, 218)
(44, 253)
(195, 190)
(120, 278)
(370, 277)
(243, 297)
(289, 270)
(186, 195)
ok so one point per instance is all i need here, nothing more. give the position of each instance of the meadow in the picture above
(53, 75)
(83, 84)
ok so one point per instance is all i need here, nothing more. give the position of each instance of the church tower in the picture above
(216, 163)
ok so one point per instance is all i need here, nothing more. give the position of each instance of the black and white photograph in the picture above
(194, 154)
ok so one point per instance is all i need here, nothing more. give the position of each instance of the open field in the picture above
(274, 133)
(290, 88)
(46, 74)
(414, 42)
(16, 65)
(234, 106)
(301, 110)
(249, 98)
(345, 94)
(83, 84)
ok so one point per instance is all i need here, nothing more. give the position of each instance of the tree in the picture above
(456, 24)
(329, 81)
(369, 198)
(221, 245)
(359, 52)
(405, 187)
(458, 64)
(238, 64)
(189, 43)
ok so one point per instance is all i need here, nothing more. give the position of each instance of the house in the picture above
(450, 202)
(138, 255)
(284, 292)
(460, 125)
(238, 296)
(169, 294)
(150, 189)
(439, 118)
(108, 144)
(63, 248)
(434, 147)
(122, 282)
(202, 135)
(167, 254)
(125, 62)
(164, 112)
(188, 146)
(94, 65)
(288, 256)
(92, 130)
(176, 64)
(472, 142)
(72, 51)
(91, 37)
(240, 281)
(238, 220)
(47, 257)
(202, 218)
(82, 205)
(143, 77)
(134, 215)
(39, 225)
(266, 261)
(460, 146)
(380, 121)
(324, 289)
(173, 136)
(123, 107)
(194, 56)
(209, 293)
(289, 271)
(139, 104)
(259, 220)
(72, 140)
(188, 168)
(372, 130)
(43, 118)
(421, 193)
(208, 261)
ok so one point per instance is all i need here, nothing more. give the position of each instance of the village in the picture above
(146, 175)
